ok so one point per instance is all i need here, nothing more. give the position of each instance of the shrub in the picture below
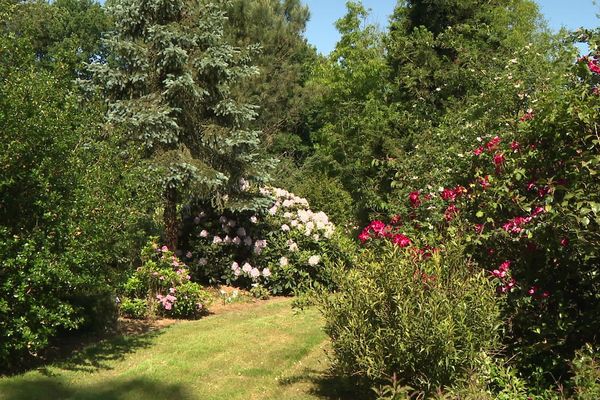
(283, 249)
(133, 308)
(162, 284)
(425, 319)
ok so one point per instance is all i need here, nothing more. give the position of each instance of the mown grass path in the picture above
(259, 352)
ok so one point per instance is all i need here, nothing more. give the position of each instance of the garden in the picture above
(196, 204)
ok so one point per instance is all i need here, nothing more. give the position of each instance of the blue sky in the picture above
(322, 34)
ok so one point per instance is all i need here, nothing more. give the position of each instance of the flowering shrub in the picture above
(163, 285)
(528, 204)
(282, 249)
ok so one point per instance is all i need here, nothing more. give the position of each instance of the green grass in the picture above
(263, 352)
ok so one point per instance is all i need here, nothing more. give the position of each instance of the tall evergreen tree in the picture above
(284, 60)
(169, 78)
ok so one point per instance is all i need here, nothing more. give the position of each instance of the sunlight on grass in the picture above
(264, 352)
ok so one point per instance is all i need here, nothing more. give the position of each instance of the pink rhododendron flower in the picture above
(378, 227)
(164, 248)
(401, 240)
(414, 199)
(532, 290)
(364, 236)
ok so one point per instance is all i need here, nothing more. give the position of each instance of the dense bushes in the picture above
(161, 286)
(426, 319)
(283, 248)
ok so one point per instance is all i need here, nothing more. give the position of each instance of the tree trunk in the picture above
(170, 219)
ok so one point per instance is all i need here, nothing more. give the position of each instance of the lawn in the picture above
(264, 351)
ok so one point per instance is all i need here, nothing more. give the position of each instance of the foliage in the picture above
(168, 79)
(68, 223)
(282, 249)
(162, 284)
(425, 319)
(283, 60)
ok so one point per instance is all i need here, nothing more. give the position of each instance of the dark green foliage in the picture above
(283, 60)
(68, 221)
(169, 80)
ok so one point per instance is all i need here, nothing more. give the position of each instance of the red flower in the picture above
(564, 242)
(378, 227)
(515, 146)
(532, 290)
(528, 116)
(479, 228)
(545, 295)
(364, 236)
(505, 266)
(499, 159)
(414, 199)
(593, 66)
(448, 195)
(537, 211)
(493, 144)
(401, 240)
(478, 151)
(451, 212)
(460, 190)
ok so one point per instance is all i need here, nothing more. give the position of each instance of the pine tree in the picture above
(168, 79)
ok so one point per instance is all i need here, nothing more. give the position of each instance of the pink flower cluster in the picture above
(378, 229)
(516, 224)
(167, 301)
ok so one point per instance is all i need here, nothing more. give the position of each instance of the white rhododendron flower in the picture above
(314, 260)
(203, 261)
(217, 240)
(235, 266)
(254, 273)
(204, 233)
(237, 241)
(266, 272)
(283, 261)
(253, 219)
(285, 228)
(246, 267)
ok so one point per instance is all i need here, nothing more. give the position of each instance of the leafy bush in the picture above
(162, 284)
(284, 249)
(425, 319)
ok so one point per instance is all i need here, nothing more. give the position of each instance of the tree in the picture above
(284, 60)
(169, 78)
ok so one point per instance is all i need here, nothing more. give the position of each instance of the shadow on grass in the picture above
(56, 389)
(100, 356)
(328, 386)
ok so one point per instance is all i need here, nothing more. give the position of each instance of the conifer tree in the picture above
(168, 79)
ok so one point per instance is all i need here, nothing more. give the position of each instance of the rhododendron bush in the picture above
(528, 205)
(282, 249)
(162, 286)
